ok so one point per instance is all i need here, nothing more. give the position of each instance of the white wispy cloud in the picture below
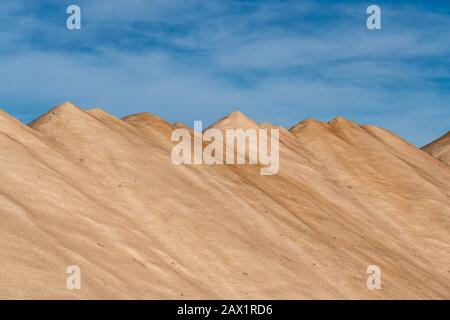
(189, 60)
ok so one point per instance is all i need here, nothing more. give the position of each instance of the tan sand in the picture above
(86, 188)
(440, 148)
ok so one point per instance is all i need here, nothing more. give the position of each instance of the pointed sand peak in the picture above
(237, 115)
(235, 120)
(339, 124)
(66, 109)
(65, 106)
(341, 121)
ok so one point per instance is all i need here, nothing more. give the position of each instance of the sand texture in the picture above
(82, 187)
(440, 148)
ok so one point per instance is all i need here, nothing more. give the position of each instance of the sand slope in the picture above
(440, 148)
(82, 187)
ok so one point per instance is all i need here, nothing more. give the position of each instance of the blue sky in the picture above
(277, 61)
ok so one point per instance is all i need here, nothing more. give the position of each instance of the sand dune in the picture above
(82, 187)
(440, 148)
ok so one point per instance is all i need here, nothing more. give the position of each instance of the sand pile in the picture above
(440, 148)
(86, 188)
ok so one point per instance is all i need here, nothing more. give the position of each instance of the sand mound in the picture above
(86, 188)
(235, 120)
(440, 148)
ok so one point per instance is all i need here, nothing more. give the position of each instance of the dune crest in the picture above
(235, 120)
